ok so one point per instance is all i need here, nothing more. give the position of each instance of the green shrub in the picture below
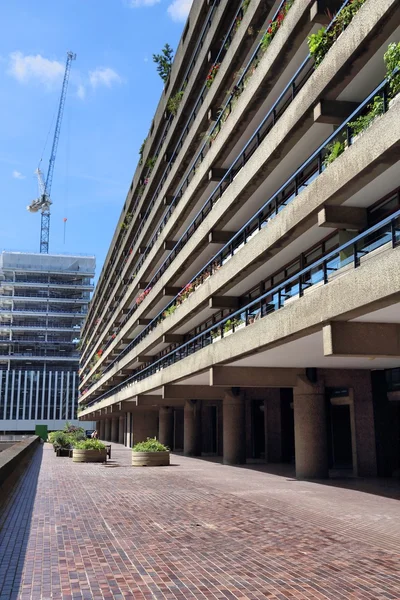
(150, 445)
(374, 109)
(174, 102)
(392, 62)
(89, 445)
(61, 439)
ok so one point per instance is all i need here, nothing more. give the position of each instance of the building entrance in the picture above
(210, 429)
(341, 443)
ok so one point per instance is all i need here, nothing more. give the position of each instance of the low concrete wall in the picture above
(12, 456)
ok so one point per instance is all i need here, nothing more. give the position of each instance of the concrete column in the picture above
(128, 430)
(234, 432)
(310, 429)
(192, 428)
(114, 429)
(273, 426)
(107, 433)
(102, 429)
(121, 429)
(166, 426)
(145, 425)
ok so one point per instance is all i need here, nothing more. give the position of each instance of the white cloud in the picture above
(81, 92)
(18, 175)
(139, 3)
(103, 76)
(179, 9)
(35, 68)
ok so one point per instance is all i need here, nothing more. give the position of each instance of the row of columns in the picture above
(310, 428)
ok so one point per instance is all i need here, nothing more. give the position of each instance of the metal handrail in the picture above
(262, 307)
(259, 218)
(199, 102)
(201, 152)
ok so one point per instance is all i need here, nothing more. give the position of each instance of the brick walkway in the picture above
(193, 530)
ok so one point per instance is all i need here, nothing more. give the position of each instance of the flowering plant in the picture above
(142, 296)
(212, 74)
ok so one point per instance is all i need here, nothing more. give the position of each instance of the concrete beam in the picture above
(352, 339)
(170, 290)
(169, 245)
(167, 201)
(148, 400)
(144, 358)
(216, 174)
(142, 322)
(343, 217)
(319, 11)
(333, 112)
(220, 237)
(223, 302)
(192, 392)
(172, 338)
(265, 377)
(142, 285)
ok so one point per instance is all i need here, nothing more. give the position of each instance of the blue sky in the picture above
(113, 92)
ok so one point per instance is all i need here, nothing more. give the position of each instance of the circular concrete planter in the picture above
(150, 459)
(89, 455)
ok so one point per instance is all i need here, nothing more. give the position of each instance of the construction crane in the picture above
(43, 202)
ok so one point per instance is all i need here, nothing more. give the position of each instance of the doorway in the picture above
(341, 439)
(209, 429)
(258, 429)
(178, 429)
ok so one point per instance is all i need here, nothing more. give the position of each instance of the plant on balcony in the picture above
(141, 150)
(320, 42)
(142, 296)
(127, 221)
(169, 311)
(392, 62)
(164, 62)
(275, 25)
(174, 103)
(374, 110)
(150, 162)
(213, 72)
(334, 150)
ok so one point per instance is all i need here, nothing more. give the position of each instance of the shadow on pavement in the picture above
(17, 497)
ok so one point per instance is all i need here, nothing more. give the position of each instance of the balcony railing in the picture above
(185, 131)
(299, 181)
(279, 107)
(320, 272)
(43, 311)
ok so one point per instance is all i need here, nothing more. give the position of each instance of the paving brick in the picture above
(195, 530)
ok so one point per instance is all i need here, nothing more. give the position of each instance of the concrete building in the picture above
(248, 306)
(43, 302)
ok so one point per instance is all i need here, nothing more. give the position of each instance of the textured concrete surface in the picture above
(196, 529)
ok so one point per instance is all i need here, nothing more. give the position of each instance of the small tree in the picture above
(164, 62)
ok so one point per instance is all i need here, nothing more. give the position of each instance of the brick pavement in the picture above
(190, 531)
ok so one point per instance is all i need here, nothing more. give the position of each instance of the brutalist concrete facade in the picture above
(249, 304)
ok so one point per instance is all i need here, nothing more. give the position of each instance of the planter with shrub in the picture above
(150, 454)
(89, 451)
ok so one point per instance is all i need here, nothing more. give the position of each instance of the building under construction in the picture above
(43, 302)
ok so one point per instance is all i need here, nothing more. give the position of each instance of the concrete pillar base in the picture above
(310, 429)
(234, 434)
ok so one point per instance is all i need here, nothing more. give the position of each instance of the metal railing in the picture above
(320, 272)
(300, 180)
(286, 97)
(185, 132)
(192, 116)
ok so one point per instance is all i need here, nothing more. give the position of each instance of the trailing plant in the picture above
(392, 62)
(375, 109)
(164, 62)
(89, 445)
(150, 445)
(127, 221)
(212, 74)
(245, 5)
(169, 311)
(141, 150)
(275, 25)
(174, 103)
(335, 149)
(150, 162)
(320, 42)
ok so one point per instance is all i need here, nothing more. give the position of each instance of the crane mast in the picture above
(43, 203)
